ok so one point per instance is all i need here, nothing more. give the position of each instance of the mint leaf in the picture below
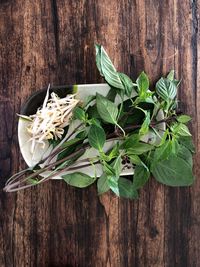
(185, 154)
(173, 171)
(181, 129)
(102, 184)
(145, 125)
(143, 84)
(78, 179)
(126, 189)
(170, 76)
(117, 165)
(113, 184)
(166, 89)
(96, 137)
(79, 114)
(139, 148)
(106, 109)
(106, 68)
(141, 176)
(187, 142)
(183, 118)
(127, 82)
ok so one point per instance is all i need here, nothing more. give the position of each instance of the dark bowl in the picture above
(36, 99)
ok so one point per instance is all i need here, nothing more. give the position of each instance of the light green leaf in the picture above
(96, 137)
(130, 141)
(106, 68)
(79, 114)
(139, 148)
(102, 184)
(117, 166)
(70, 142)
(126, 189)
(173, 172)
(183, 118)
(145, 125)
(106, 109)
(185, 154)
(166, 89)
(187, 142)
(113, 184)
(127, 82)
(135, 159)
(78, 179)
(170, 76)
(181, 129)
(143, 83)
(141, 176)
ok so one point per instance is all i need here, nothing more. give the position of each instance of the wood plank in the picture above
(56, 225)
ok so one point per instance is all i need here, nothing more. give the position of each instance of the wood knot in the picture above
(149, 44)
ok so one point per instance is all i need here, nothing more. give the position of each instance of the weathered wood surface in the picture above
(56, 225)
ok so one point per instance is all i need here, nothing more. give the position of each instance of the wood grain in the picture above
(56, 225)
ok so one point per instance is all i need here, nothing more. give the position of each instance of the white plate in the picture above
(83, 91)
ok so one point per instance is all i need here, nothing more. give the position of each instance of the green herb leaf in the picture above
(126, 189)
(106, 109)
(185, 154)
(113, 184)
(181, 129)
(78, 179)
(187, 142)
(143, 83)
(173, 172)
(170, 76)
(127, 82)
(145, 125)
(139, 148)
(96, 137)
(117, 165)
(106, 68)
(141, 176)
(103, 184)
(79, 114)
(166, 89)
(183, 118)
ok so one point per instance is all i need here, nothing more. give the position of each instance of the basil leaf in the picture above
(181, 129)
(139, 148)
(166, 89)
(173, 172)
(170, 76)
(130, 141)
(127, 82)
(70, 142)
(96, 137)
(143, 83)
(187, 142)
(185, 154)
(78, 179)
(79, 114)
(113, 184)
(106, 68)
(141, 176)
(135, 159)
(106, 109)
(183, 118)
(145, 125)
(117, 166)
(102, 184)
(126, 189)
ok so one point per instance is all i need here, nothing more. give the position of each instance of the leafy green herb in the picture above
(96, 137)
(78, 179)
(130, 125)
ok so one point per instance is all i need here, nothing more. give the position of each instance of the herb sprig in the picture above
(167, 155)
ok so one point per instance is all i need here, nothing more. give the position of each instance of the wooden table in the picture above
(54, 224)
